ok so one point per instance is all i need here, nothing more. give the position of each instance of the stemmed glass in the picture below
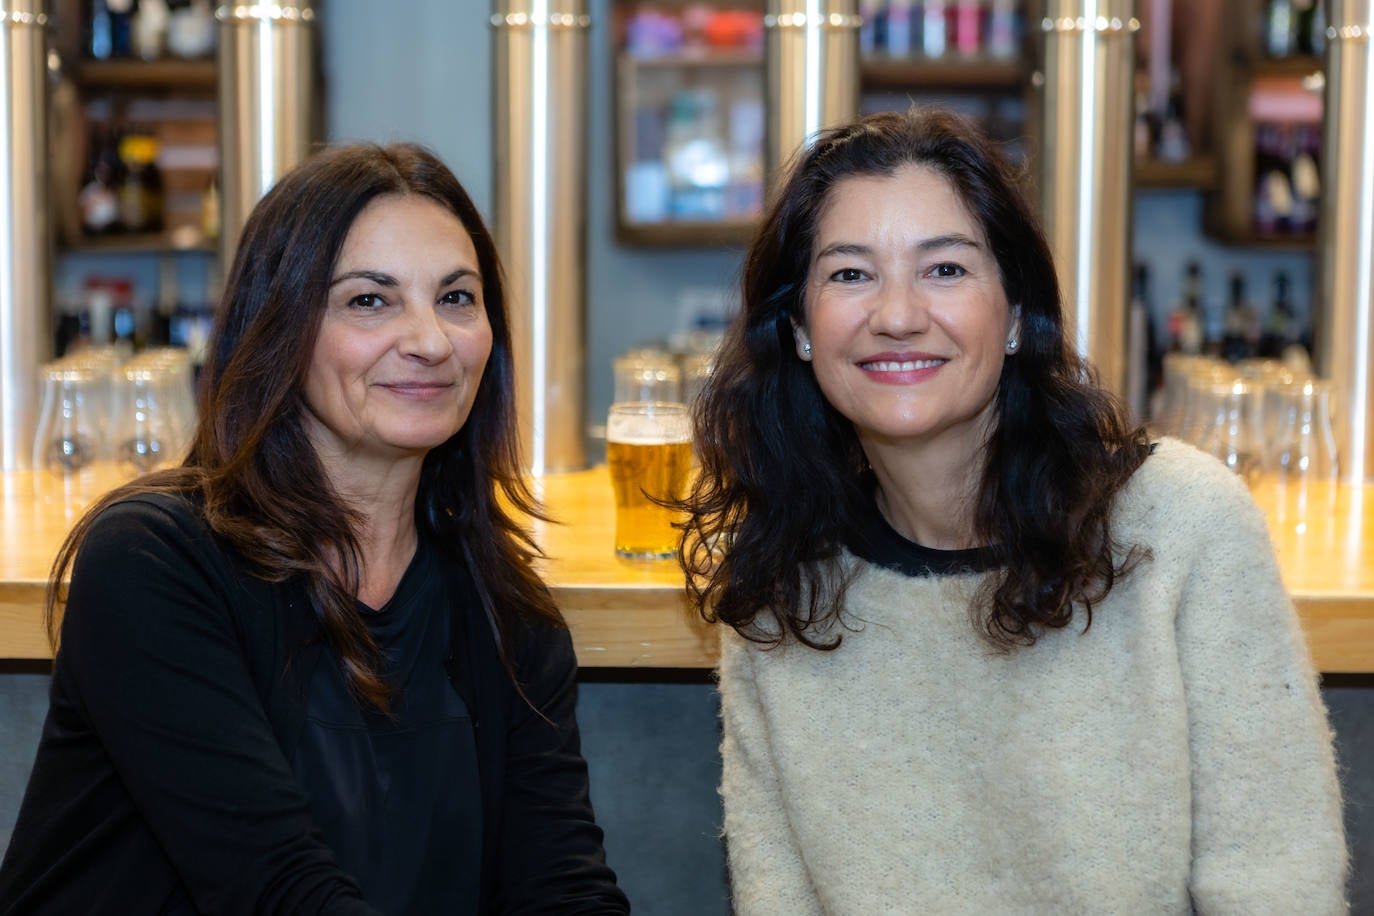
(1234, 432)
(70, 436)
(1305, 446)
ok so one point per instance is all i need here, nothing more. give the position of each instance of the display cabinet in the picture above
(134, 143)
(1268, 96)
(970, 55)
(690, 106)
(689, 123)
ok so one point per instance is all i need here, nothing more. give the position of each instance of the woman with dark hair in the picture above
(992, 649)
(312, 670)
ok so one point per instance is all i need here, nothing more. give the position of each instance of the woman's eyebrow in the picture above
(376, 276)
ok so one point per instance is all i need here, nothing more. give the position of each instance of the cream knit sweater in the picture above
(1174, 758)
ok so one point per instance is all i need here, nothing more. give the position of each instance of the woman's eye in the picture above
(847, 275)
(366, 301)
(947, 270)
(458, 297)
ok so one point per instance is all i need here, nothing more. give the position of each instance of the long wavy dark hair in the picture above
(783, 477)
(251, 465)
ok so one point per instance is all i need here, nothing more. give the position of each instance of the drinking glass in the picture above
(1234, 433)
(177, 395)
(69, 435)
(647, 375)
(142, 426)
(696, 370)
(649, 454)
(1176, 369)
(1199, 398)
(1306, 443)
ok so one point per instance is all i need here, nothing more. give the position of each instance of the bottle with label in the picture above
(1241, 327)
(149, 28)
(968, 28)
(99, 31)
(1278, 28)
(695, 155)
(1003, 28)
(1140, 348)
(1304, 19)
(121, 14)
(935, 28)
(1282, 328)
(140, 197)
(98, 198)
(1185, 320)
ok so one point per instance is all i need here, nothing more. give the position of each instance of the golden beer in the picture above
(649, 453)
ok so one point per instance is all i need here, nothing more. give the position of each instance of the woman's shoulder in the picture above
(143, 519)
(1178, 484)
(164, 530)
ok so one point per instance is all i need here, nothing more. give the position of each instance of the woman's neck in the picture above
(383, 501)
(928, 498)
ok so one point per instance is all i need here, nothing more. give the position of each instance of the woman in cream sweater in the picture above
(992, 649)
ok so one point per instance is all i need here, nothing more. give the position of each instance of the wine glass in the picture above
(1306, 443)
(1234, 432)
(70, 436)
(143, 434)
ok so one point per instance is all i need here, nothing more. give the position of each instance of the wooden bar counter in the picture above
(636, 615)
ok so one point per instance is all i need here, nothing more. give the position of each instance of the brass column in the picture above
(539, 115)
(1344, 312)
(1085, 172)
(266, 98)
(25, 243)
(813, 72)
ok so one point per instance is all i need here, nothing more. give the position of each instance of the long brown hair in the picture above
(262, 487)
(783, 473)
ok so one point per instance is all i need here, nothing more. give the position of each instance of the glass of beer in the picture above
(649, 453)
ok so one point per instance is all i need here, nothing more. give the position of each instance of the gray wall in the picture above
(421, 71)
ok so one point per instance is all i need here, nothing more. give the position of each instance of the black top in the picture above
(880, 544)
(178, 702)
(396, 796)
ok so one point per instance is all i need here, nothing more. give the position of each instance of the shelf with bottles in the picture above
(689, 108)
(146, 180)
(969, 55)
(135, 151)
(127, 38)
(1270, 132)
(961, 43)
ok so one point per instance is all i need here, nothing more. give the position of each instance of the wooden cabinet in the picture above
(1268, 128)
(689, 114)
(134, 141)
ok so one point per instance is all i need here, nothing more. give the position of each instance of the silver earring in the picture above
(1012, 344)
(806, 348)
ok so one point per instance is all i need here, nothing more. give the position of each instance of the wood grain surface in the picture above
(635, 615)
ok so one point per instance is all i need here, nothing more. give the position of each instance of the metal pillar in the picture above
(813, 72)
(266, 99)
(539, 115)
(1085, 172)
(1344, 315)
(25, 242)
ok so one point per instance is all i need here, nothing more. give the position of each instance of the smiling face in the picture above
(404, 338)
(907, 321)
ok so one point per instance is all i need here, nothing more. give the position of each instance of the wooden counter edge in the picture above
(656, 628)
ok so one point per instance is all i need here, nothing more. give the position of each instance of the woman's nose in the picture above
(424, 335)
(900, 309)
